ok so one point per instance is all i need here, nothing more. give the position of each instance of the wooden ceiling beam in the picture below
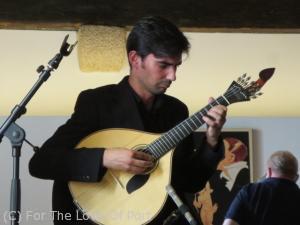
(194, 15)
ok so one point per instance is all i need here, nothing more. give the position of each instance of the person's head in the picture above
(154, 48)
(235, 151)
(158, 36)
(283, 164)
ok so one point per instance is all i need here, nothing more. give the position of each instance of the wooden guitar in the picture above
(126, 199)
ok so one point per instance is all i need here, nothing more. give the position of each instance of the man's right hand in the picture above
(130, 161)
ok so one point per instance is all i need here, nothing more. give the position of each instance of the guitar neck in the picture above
(173, 137)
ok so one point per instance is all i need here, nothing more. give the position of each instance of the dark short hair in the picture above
(156, 35)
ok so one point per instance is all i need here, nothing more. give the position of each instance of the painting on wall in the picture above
(210, 204)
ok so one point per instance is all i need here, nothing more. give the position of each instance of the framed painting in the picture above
(210, 204)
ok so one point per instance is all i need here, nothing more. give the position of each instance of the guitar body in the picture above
(111, 201)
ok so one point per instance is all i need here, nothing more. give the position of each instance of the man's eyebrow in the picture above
(168, 63)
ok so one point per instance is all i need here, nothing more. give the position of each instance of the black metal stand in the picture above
(16, 134)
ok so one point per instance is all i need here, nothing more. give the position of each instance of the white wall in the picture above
(269, 134)
(215, 60)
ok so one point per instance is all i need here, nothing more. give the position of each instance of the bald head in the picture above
(283, 164)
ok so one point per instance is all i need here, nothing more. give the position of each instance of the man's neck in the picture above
(273, 174)
(146, 96)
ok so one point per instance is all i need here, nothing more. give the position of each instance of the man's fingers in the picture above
(127, 160)
(210, 99)
(137, 166)
(142, 163)
(142, 155)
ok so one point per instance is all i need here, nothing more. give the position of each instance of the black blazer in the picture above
(114, 106)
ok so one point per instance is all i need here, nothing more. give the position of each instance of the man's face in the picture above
(156, 74)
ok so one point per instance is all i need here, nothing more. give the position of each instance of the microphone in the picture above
(182, 207)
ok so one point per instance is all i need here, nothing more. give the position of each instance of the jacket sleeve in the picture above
(194, 165)
(59, 160)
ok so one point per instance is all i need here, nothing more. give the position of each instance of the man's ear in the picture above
(269, 172)
(134, 59)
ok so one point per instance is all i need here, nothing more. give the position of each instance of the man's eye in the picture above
(163, 66)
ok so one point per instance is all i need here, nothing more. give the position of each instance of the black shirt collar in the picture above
(157, 102)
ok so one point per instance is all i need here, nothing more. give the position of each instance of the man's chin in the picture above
(161, 91)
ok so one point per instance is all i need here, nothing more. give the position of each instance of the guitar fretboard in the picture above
(173, 137)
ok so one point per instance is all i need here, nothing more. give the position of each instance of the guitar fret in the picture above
(218, 102)
(155, 148)
(225, 99)
(184, 128)
(160, 146)
(221, 101)
(180, 130)
(164, 142)
(194, 121)
(202, 114)
(170, 138)
(156, 154)
(165, 137)
(177, 140)
(190, 126)
(198, 118)
(160, 151)
(177, 133)
(149, 150)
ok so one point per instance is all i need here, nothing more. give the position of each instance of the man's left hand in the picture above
(215, 119)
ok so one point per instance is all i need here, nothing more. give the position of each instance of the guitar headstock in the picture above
(243, 89)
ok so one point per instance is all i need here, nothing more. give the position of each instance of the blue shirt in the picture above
(273, 201)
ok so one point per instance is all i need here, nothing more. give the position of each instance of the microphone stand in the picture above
(182, 208)
(16, 134)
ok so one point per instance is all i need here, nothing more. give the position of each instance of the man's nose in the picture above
(172, 73)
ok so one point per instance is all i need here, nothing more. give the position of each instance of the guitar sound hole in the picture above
(143, 148)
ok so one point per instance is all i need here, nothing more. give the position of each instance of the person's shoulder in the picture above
(107, 89)
(251, 187)
(170, 100)
(259, 185)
